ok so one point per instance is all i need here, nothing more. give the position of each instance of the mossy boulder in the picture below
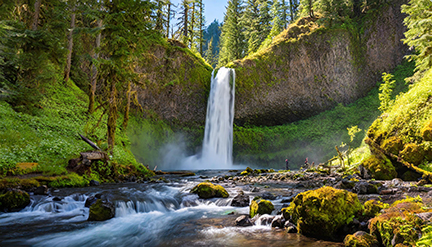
(247, 171)
(101, 210)
(413, 153)
(361, 239)
(380, 167)
(209, 190)
(373, 207)
(426, 131)
(260, 206)
(399, 224)
(14, 200)
(393, 145)
(326, 209)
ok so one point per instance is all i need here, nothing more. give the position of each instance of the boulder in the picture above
(361, 239)
(326, 209)
(14, 200)
(278, 221)
(41, 190)
(260, 206)
(240, 200)
(243, 220)
(101, 210)
(290, 227)
(268, 196)
(94, 183)
(209, 190)
(379, 167)
(91, 200)
(363, 187)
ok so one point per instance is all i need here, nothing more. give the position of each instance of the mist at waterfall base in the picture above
(216, 151)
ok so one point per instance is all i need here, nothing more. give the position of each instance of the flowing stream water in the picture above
(147, 214)
(156, 214)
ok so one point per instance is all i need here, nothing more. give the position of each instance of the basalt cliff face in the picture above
(175, 85)
(308, 69)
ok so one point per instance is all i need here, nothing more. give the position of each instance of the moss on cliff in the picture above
(407, 122)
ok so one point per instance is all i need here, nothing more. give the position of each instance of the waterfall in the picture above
(218, 134)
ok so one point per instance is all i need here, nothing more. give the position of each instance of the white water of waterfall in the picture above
(218, 135)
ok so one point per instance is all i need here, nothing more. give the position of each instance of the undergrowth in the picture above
(317, 136)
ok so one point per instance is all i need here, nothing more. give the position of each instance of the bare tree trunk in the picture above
(126, 114)
(36, 14)
(70, 47)
(168, 19)
(94, 72)
(112, 116)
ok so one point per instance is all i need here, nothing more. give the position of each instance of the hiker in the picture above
(286, 165)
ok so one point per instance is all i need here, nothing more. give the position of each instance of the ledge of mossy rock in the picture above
(426, 131)
(380, 168)
(101, 210)
(399, 224)
(14, 200)
(361, 239)
(209, 190)
(413, 153)
(393, 145)
(326, 209)
(259, 206)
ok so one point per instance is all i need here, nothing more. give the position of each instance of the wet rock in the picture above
(255, 189)
(388, 191)
(364, 173)
(41, 190)
(240, 200)
(101, 210)
(56, 199)
(278, 221)
(345, 184)
(92, 199)
(364, 187)
(290, 227)
(260, 206)
(209, 190)
(263, 220)
(14, 200)
(268, 196)
(243, 220)
(361, 239)
(94, 183)
(396, 182)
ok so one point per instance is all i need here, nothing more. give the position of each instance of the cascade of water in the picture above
(218, 135)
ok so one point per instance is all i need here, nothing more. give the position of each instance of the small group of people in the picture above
(306, 164)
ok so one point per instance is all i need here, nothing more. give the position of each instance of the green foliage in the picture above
(419, 24)
(353, 131)
(259, 207)
(373, 208)
(426, 238)
(386, 89)
(270, 146)
(327, 209)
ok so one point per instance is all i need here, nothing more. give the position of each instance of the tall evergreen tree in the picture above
(418, 35)
(183, 22)
(232, 38)
(251, 21)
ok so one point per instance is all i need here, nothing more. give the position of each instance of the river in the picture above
(147, 214)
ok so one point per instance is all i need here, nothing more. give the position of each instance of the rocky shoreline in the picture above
(364, 206)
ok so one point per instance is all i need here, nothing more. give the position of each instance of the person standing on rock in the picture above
(286, 165)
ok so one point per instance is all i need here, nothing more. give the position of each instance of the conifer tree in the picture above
(251, 22)
(418, 35)
(232, 44)
(183, 22)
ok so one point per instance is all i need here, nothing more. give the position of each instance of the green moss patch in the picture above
(326, 209)
(413, 153)
(259, 207)
(209, 190)
(14, 200)
(360, 239)
(101, 211)
(373, 208)
(380, 168)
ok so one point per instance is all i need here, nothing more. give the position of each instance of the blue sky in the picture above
(213, 9)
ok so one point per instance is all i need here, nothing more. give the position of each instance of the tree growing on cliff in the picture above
(232, 38)
(419, 24)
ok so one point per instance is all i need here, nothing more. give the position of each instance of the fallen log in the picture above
(94, 155)
(92, 144)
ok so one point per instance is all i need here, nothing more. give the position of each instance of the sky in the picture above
(213, 9)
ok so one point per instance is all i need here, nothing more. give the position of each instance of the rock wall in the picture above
(309, 69)
(175, 84)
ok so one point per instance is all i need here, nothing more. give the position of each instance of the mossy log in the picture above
(425, 174)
